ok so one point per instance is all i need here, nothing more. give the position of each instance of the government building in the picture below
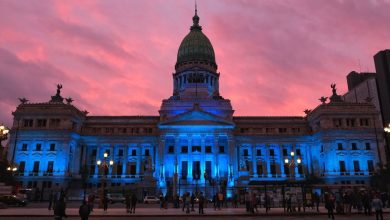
(195, 142)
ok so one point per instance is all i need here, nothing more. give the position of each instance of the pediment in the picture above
(197, 117)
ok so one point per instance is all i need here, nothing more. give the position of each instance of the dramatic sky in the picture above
(117, 57)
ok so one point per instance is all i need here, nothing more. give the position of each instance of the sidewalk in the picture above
(155, 212)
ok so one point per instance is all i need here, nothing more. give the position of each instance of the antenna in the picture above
(196, 8)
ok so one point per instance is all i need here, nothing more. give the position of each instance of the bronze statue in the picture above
(323, 99)
(23, 100)
(307, 111)
(69, 100)
(333, 86)
(59, 87)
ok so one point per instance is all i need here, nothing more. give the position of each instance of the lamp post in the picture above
(104, 165)
(206, 177)
(3, 136)
(292, 165)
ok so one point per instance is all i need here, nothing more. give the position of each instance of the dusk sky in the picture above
(117, 57)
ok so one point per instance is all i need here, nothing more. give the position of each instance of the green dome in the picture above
(196, 48)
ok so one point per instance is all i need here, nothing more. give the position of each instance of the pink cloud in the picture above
(116, 57)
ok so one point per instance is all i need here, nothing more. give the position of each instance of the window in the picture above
(282, 130)
(285, 152)
(171, 149)
(273, 169)
(123, 130)
(94, 153)
(245, 152)
(368, 146)
(322, 148)
(52, 147)
(133, 169)
(350, 122)
(36, 167)
(300, 169)
(208, 149)
(339, 146)
(221, 149)
(120, 152)
(271, 152)
(184, 149)
(298, 152)
(92, 169)
(196, 170)
(147, 152)
(55, 122)
(354, 146)
(38, 147)
(50, 167)
(24, 147)
(258, 152)
(208, 169)
(364, 122)
(244, 130)
(22, 166)
(287, 169)
(337, 122)
(370, 165)
(41, 123)
(184, 168)
(27, 123)
(296, 130)
(259, 169)
(342, 166)
(133, 152)
(196, 149)
(356, 166)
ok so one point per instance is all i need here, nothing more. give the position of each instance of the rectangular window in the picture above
(184, 169)
(285, 152)
(356, 166)
(273, 169)
(364, 122)
(38, 147)
(339, 146)
(368, 146)
(196, 170)
(147, 152)
(184, 149)
(120, 153)
(55, 122)
(50, 167)
(287, 169)
(300, 169)
(119, 169)
(342, 166)
(245, 152)
(208, 149)
(370, 165)
(94, 153)
(258, 152)
(354, 146)
(133, 152)
(208, 169)
(22, 166)
(27, 123)
(350, 122)
(36, 167)
(24, 147)
(171, 149)
(41, 123)
(298, 152)
(52, 147)
(337, 122)
(259, 169)
(196, 149)
(271, 152)
(282, 130)
(247, 165)
(221, 149)
(92, 169)
(133, 168)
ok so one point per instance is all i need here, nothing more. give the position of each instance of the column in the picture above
(253, 158)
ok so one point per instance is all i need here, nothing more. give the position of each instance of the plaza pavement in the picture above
(157, 212)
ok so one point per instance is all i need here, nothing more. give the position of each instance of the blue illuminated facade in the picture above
(195, 143)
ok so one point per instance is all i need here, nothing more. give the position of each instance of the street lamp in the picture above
(3, 135)
(104, 165)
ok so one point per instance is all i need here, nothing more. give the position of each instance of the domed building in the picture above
(195, 143)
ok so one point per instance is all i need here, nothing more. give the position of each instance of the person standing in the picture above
(192, 202)
(84, 211)
(235, 200)
(51, 196)
(91, 201)
(378, 206)
(329, 205)
(201, 203)
(128, 203)
(59, 209)
(105, 203)
(187, 202)
(317, 201)
(133, 203)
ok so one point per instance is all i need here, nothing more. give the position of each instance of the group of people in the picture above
(253, 201)
(190, 199)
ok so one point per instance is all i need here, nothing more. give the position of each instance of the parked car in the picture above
(12, 200)
(25, 194)
(115, 197)
(151, 199)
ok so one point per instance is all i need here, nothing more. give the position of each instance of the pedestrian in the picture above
(235, 200)
(247, 202)
(201, 203)
(187, 202)
(378, 206)
(128, 203)
(84, 211)
(161, 201)
(215, 201)
(51, 196)
(59, 209)
(91, 201)
(366, 204)
(289, 207)
(183, 199)
(317, 201)
(254, 203)
(105, 203)
(329, 205)
(220, 200)
(133, 203)
(192, 202)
